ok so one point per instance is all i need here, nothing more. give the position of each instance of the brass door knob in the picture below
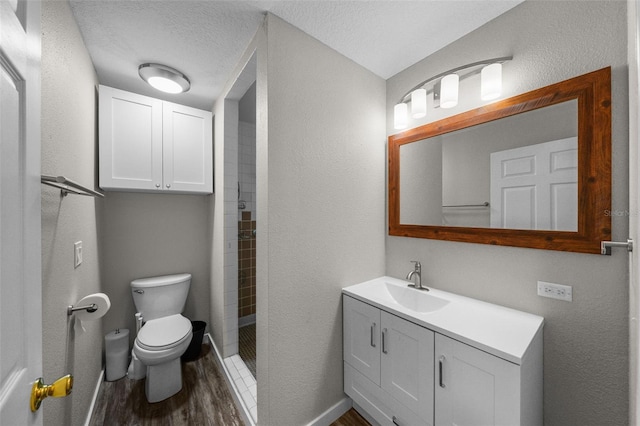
(59, 388)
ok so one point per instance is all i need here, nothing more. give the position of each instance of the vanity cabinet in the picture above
(474, 387)
(388, 364)
(404, 373)
(150, 145)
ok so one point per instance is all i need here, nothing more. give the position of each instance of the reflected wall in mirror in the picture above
(529, 171)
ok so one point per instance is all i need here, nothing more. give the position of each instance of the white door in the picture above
(130, 140)
(536, 187)
(407, 365)
(187, 149)
(474, 388)
(361, 337)
(634, 205)
(20, 274)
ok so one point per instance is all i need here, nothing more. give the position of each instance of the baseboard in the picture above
(235, 393)
(333, 413)
(94, 398)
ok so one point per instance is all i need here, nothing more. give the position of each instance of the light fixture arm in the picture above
(455, 70)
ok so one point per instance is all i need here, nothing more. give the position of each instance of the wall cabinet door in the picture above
(407, 364)
(187, 149)
(474, 388)
(150, 145)
(361, 325)
(130, 140)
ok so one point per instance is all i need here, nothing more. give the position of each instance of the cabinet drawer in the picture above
(378, 403)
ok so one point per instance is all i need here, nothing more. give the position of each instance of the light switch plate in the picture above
(77, 254)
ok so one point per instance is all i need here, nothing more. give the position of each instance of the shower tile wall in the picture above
(246, 220)
(246, 266)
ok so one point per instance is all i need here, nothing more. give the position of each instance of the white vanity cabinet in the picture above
(475, 388)
(151, 145)
(440, 359)
(388, 364)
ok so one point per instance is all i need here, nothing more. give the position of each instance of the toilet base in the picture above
(163, 380)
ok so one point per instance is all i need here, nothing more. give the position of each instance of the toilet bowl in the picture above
(165, 334)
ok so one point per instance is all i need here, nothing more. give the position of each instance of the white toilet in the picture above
(165, 335)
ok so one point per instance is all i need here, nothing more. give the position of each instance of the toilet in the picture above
(165, 334)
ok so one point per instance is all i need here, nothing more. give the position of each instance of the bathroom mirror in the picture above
(533, 171)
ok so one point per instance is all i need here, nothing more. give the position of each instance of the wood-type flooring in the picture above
(205, 400)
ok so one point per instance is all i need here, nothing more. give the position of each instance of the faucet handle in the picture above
(417, 265)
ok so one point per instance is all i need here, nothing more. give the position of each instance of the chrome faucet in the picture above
(417, 273)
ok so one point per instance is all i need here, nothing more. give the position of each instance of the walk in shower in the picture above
(241, 233)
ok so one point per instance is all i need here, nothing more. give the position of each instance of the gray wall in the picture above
(68, 148)
(320, 171)
(586, 342)
(144, 235)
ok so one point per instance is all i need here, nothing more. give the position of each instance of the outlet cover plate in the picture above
(555, 291)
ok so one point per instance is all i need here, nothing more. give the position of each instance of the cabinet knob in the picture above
(168, 185)
(157, 185)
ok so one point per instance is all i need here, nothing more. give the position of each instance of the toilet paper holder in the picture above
(89, 308)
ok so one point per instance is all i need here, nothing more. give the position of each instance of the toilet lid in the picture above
(163, 332)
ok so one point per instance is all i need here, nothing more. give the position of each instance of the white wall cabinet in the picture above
(151, 145)
(402, 373)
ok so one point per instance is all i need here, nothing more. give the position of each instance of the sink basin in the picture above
(416, 300)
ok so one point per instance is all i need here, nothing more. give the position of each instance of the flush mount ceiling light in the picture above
(164, 78)
(444, 86)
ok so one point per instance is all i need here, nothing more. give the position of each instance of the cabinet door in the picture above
(130, 132)
(187, 149)
(361, 329)
(407, 364)
(474, 388)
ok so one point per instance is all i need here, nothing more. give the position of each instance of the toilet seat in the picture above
(164, 333)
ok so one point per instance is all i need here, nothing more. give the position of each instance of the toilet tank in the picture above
(157, 297)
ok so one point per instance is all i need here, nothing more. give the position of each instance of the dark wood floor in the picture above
(204, 399)
(351, 418)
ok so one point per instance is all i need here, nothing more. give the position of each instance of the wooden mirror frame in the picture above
(593, 94)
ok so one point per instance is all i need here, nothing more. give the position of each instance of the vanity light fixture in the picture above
(164, 78)
(449, 91)
(444, 86)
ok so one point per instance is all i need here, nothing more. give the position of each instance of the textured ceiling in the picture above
(205, 39)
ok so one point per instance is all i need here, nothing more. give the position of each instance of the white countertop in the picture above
(503, 332)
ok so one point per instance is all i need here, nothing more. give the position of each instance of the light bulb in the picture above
(449, 91)
(400, 118)
(418, 103)
(164, 84)
(491, 82)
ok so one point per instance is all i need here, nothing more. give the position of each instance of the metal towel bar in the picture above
(485, 204)
(67, 186)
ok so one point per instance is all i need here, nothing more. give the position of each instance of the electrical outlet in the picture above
(77, 254)
(555, 291)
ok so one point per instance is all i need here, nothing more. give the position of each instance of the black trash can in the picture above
(193, 351)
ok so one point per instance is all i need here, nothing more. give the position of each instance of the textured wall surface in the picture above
(320, 218)
(68, 148)
(585, 342)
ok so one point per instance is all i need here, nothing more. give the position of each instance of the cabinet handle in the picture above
(440, 368)
(168, 185)
(373, 334)
(384, 346)
(157, 185)
(395, 421)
